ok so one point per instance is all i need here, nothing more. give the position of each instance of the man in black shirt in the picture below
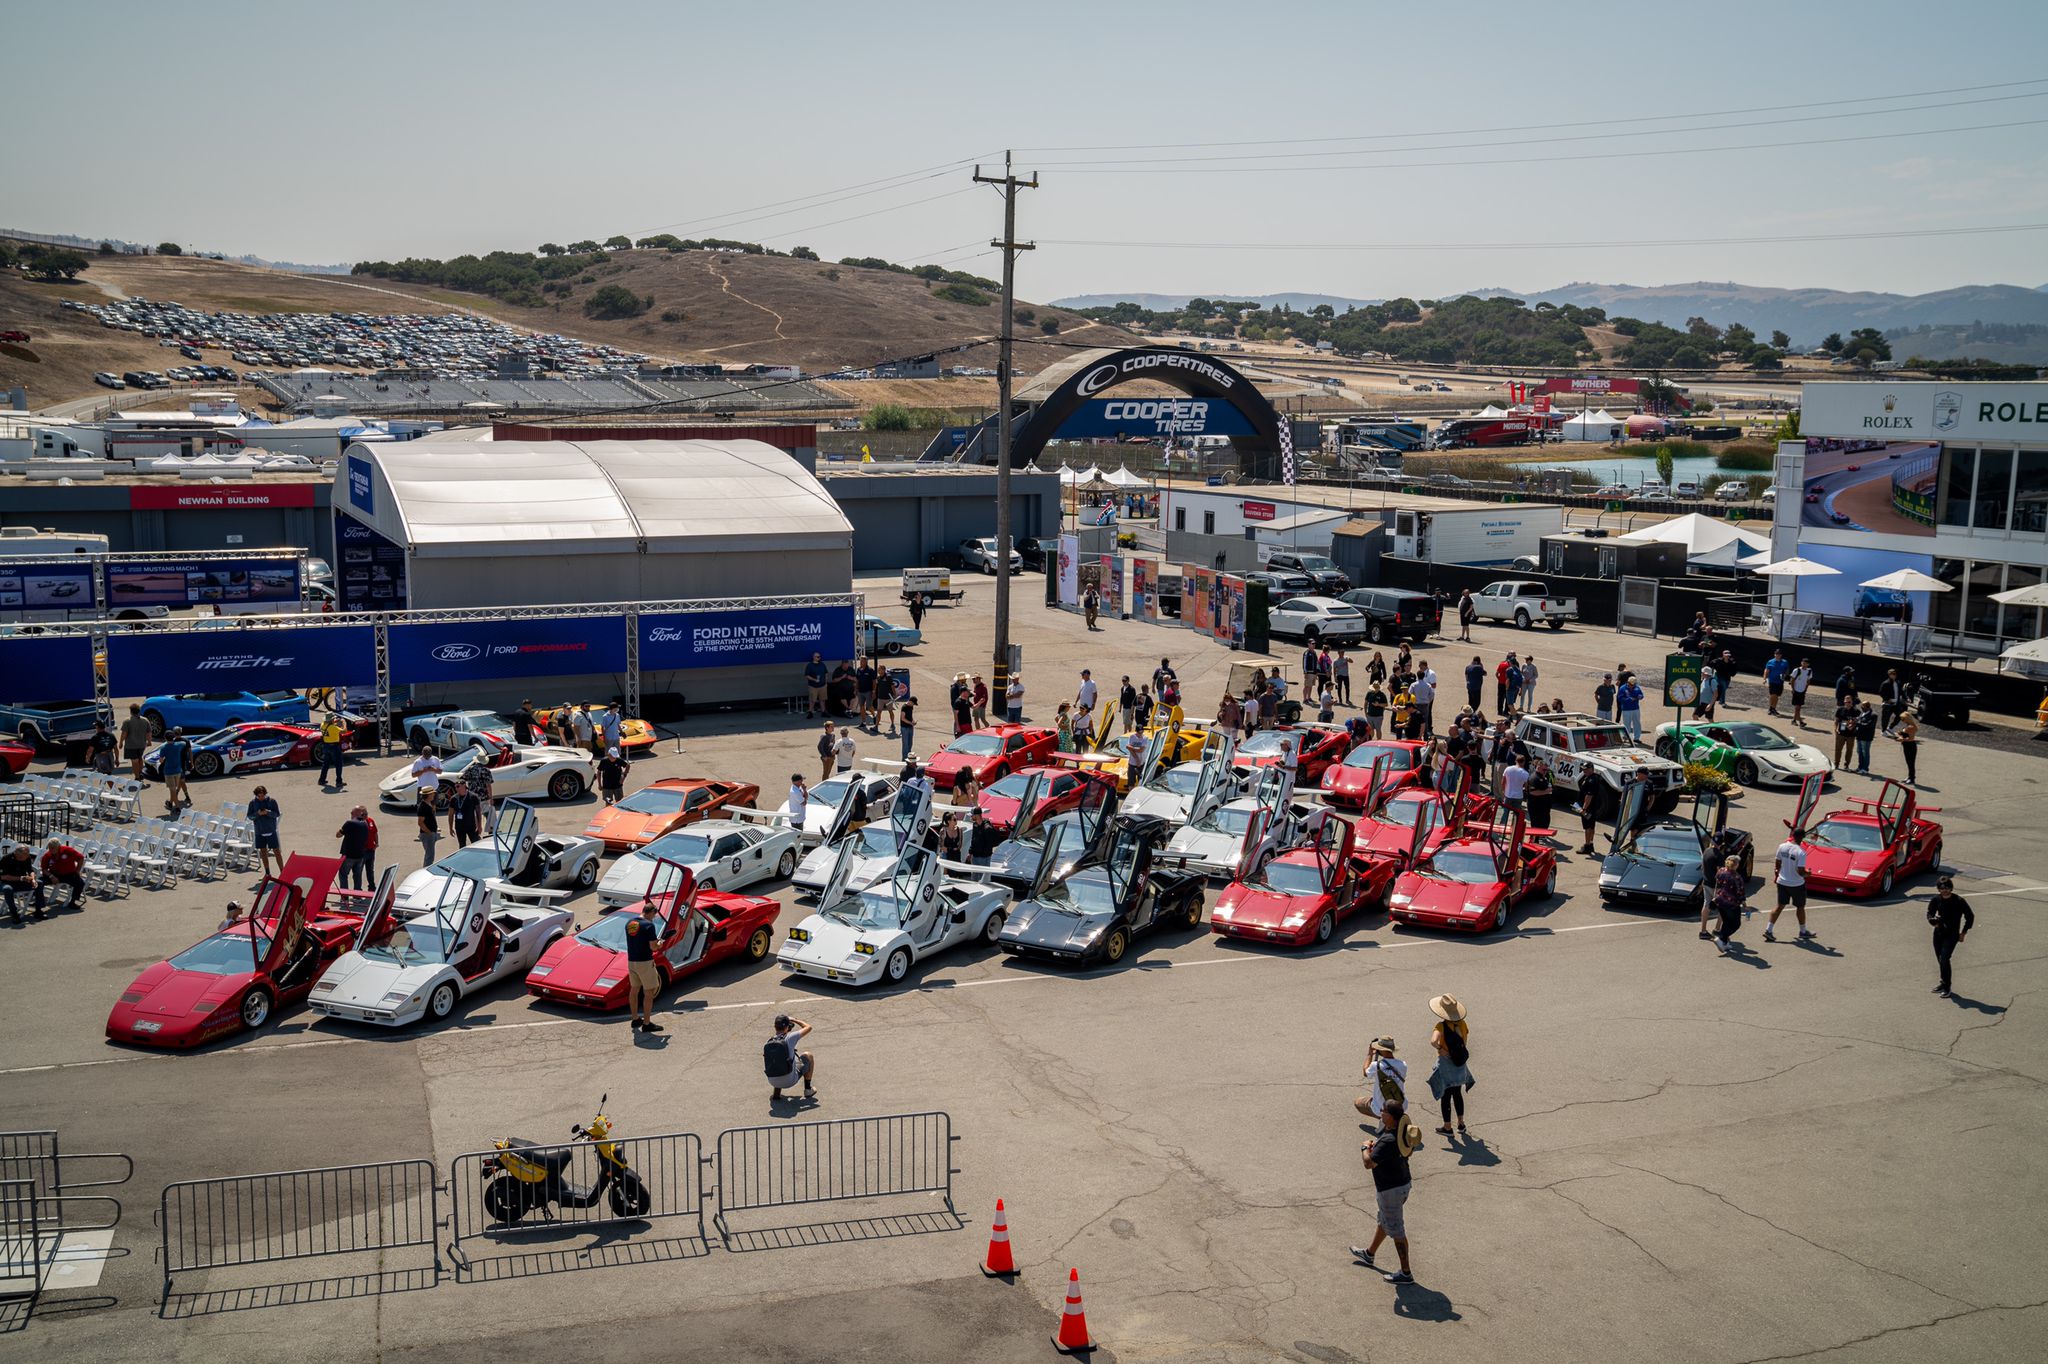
(18, 878)
(983, 838)
(644, 983)
(1952, 919)
(1390, 1182)
(354, 834)
(522, 724)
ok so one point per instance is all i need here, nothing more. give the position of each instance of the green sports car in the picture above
(1751, 752)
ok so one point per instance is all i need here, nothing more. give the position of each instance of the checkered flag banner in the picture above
(1287, 452)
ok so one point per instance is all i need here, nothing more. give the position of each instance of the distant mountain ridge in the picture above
(1169, 303)
(1806, 315)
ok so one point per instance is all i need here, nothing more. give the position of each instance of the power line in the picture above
(1534, 141)
(1539, 127)
(876, 213)
(1139, 169)
(883, 183)
(1895, 234)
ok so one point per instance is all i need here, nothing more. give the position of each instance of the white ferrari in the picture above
(541, 772)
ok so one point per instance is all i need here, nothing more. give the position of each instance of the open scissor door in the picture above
(1635, 796)
(1809, 800)
(377, 917)
(910, 812)
(512, 836)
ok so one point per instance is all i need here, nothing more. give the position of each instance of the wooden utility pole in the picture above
(1008, 185)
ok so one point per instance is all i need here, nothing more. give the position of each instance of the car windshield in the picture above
(1398, 759)
(1664, 844)
(1227, 820)
(828, 793)
(653, 800)
(478, 861)
(1316, 563)
(275, 696)
(877, 840)
(1181, 781)
(1749, 734)
(682, 849)
(608, 932)
(1292, 878)
(1596, 737)
(219, 736)
(1264, 742)
(476, 719)
(1473, 868)
(976, 745)
(455, 762)
(224, 954)
(1086, 894)
(426, 939)
(1407, 811)
(1857, 837)
(1339, 610)
(875, 907)
(1010, 787)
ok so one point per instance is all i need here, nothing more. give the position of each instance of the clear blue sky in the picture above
(350, 131)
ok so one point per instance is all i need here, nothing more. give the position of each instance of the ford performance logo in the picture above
(456, 653)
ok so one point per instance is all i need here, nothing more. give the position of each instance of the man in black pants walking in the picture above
(1952, 918)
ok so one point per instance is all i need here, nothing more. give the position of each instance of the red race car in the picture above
(1474, 883)
(1057, 790)
(236, 979)
(991, 754)
(15, 758)
(1859, 853)
(1346, 783)
(1298, 896)
(1321, 747)
(663, 807)
(695, 929)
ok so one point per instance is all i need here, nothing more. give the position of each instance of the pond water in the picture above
(1632, 470)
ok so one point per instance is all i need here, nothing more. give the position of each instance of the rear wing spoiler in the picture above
(888, 767)
(1871, 803)
(750, 814)
(506, 895)
(967, 871)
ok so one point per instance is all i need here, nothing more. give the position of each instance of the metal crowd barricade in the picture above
(800, 1164)
(23, 1260)
(31, 819)
(668, 1165)
(39, 1158)
(296, 1214)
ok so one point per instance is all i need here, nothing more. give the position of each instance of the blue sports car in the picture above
(205, 712)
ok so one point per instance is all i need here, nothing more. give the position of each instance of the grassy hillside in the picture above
(726, 308)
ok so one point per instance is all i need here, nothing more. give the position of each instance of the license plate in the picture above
(830, 974)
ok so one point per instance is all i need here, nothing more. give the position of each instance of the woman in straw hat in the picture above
(1451, 1078)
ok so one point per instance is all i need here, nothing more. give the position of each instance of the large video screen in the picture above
(1886, 487)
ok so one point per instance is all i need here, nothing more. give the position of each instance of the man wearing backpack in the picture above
(1387, 1158)
(1386, 1078)
(786, 1065)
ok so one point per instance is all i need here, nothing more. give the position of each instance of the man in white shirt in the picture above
(799, 799)
(1424, 692)
(1513, 778)
(1791, 877)
(426, 771)
(1084, 699)
(842, 752)
(1386, 1078)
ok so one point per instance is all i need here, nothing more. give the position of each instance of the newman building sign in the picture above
(2015, 413)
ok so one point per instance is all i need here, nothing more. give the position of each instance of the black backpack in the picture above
(1455, 1048)
(778, 1057)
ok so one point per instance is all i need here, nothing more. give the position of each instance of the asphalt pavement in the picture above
(1799, 1151)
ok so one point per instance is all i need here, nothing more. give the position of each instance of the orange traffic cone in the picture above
(1073, 1336)
(1000, 1262)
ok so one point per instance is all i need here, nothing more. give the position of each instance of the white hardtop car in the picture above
(867, 936)
(538, 772)
(1168, 792)
(557, 862)
(823, 806)
(877, 843)
(403, 967)
(450, 730)
(721, 854)
(1221, 837)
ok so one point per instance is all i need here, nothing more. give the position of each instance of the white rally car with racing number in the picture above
(721, 854)
(918, 910)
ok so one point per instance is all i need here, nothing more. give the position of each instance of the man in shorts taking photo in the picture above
(782, 1061)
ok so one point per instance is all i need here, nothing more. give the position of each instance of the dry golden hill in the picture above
(732, 309)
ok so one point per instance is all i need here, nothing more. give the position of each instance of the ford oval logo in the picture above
(456, 653)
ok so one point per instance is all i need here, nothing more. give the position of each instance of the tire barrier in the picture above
(246, 1220)
(490, 1202)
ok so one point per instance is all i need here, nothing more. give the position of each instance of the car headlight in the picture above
(395, 997)
(1400, 899)
(1477, 906)
(865, 949)
(323, 987)
(799, 935)
(541, 971)
(606, 982)
(1223, 911)
(1293, 921)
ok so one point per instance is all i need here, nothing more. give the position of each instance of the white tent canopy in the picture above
(1124, 478)
(1699, 534)
(1600, 426)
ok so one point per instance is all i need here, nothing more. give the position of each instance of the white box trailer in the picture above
(1486, 533)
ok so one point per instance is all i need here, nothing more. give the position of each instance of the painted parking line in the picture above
(806, 1001)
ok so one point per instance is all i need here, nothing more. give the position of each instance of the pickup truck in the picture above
(1593, 759)
(48, 724)
(1524, 603)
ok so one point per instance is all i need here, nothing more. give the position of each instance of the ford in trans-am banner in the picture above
(733, 639)
(475, 650)
(151, 662)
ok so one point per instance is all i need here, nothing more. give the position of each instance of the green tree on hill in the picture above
(802, 253)
(1832, 343)
(550, 249)
(1781, 341)
(169, 249)
(613, 301)
(618, 242)
(582, 247)
(53, 262)
(886, 417)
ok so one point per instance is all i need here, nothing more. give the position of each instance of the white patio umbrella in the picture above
(2033, 651)
(1908, 580)
(2037, 595)
(1794, 567)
